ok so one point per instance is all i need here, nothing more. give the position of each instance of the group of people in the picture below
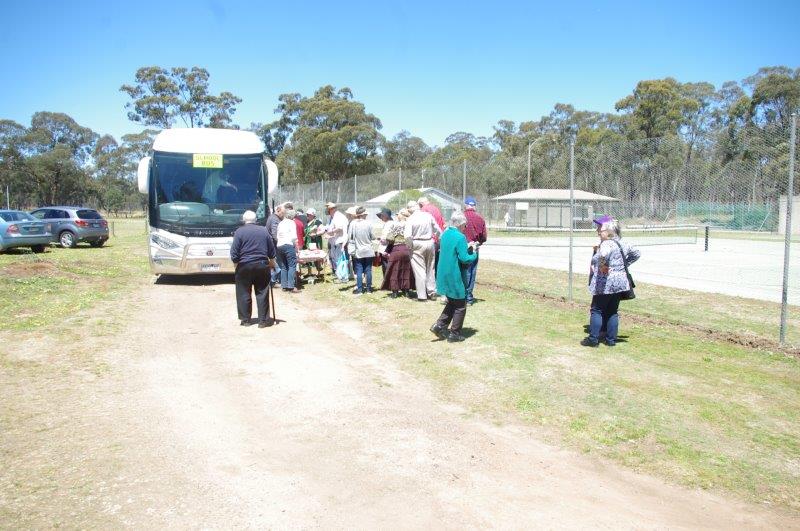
(421, 258)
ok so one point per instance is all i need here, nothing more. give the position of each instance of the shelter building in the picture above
(549, 208)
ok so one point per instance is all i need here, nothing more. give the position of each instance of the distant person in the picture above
(608, 280)
(287, 251)
(313, 238)
(385, 215)
(475, 232)
(252, 252)
(399, 276)
(336, 233)
(507, 219)
(418, 232)
(272, 226)
(426, 206)
(360, 240)
(449, 279)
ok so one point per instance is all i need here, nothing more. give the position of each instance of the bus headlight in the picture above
(164, 243)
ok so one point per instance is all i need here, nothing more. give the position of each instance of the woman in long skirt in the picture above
(399, 277)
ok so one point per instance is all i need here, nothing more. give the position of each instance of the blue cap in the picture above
(470, 201)
(605, 218)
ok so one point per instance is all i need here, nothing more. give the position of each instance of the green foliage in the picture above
(160, 96)
(332, 136)
(405, 151)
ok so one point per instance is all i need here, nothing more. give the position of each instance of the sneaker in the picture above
(356, 291)
(245, 322)
(439, 332)
(370, 290)
(264, 324)
(586, 342)
(611, 343)
(393, 295)
(455, 337)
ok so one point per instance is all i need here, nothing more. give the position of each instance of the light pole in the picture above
(530, 146)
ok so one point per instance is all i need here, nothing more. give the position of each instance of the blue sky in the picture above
(432, 68)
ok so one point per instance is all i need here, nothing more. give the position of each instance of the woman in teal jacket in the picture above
(453, 252)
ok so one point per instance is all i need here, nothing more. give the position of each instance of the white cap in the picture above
(311, 212)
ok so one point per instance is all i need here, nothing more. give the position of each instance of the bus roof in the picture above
(200, 140)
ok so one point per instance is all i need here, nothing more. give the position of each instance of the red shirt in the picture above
(476, 227)
(301, 232)
(431, 209)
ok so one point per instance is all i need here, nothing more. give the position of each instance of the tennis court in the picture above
(674, 258)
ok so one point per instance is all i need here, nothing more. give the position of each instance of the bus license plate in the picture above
(208, 268)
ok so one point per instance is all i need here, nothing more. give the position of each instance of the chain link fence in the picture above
(661, 181)
(670, 190)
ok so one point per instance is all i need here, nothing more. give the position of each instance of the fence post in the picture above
(423, 178)
(788, 231)
(464, 188)
(707, 228)
(400, 179)
(355, 189)
(571, 213)
(322, 199)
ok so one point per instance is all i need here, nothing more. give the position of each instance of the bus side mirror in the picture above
(142, 174)
(272, 175)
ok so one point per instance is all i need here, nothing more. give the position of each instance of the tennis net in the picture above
(639, 236)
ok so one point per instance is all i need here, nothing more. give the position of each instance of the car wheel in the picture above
(37, 248)
(67, 240)
(97, 243)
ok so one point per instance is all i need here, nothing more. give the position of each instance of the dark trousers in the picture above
(453, 315)
(603, 315)
(249, 276)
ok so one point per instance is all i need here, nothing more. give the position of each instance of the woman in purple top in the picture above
(608, 280)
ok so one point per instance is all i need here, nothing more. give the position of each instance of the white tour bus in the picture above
(198, 183)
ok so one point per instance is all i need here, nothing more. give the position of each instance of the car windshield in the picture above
(89, 214)
(17, 216)
(187, 195)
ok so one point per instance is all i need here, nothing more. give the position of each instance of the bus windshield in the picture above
(192, 200)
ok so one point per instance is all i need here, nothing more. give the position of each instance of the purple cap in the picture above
(605, 218)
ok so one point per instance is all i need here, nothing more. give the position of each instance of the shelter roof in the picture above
(553, 194)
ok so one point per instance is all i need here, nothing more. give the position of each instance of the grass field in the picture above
(691, 403)
(697, 392)
(45, 290)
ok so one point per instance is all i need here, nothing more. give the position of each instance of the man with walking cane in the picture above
(253, 253)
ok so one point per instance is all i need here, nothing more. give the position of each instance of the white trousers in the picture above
(422, 264)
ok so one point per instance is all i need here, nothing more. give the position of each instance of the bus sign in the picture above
(206, 160)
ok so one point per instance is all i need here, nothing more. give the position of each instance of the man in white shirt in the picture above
(336, 232)
(419, 231)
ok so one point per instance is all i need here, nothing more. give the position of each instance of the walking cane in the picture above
(271, 296)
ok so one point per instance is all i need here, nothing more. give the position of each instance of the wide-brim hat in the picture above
(351, 211)
(330, 204)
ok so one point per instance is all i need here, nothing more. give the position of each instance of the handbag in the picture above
(377, 260)
(630, 294)
(342, 268)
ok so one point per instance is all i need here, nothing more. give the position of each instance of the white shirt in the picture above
(337, 228)
(421, 226)
(287, 232)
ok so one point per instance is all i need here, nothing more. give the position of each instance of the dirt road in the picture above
(182, 418)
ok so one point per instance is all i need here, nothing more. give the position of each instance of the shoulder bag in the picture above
(626, 295)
